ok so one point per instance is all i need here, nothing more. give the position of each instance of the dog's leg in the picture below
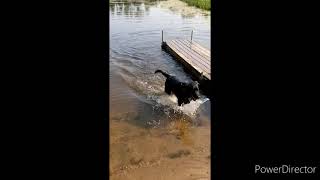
(167, 89)
(180, 101)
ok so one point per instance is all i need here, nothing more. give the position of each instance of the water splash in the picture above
(190, 109)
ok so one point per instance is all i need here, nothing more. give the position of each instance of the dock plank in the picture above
(197, 49)
(184, 56)
(192, 55)
(195, 44)
(201, 62)
(190, 59)
(190, 63)
(204, 59)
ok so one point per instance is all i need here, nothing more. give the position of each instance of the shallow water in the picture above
(148, 129)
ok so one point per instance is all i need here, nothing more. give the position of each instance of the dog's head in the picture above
(195, 94)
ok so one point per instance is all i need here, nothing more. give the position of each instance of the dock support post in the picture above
(162, 36)
(191, 35)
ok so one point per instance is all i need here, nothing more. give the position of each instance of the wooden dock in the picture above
(192, 55)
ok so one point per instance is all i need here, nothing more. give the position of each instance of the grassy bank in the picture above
(203, 4)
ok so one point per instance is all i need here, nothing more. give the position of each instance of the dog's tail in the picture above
(165, 74)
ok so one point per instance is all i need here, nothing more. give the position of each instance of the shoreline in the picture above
(204, 5)
(182, 152)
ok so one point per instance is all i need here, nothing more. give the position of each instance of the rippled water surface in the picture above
(147, 126)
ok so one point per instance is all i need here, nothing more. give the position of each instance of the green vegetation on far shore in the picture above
(203, 4)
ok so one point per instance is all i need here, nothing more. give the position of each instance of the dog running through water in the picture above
(185, 92)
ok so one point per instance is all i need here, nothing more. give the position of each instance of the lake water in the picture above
(150, 136)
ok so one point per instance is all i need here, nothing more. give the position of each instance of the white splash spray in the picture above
(188, 109)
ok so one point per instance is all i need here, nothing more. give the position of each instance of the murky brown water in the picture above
(150, 136)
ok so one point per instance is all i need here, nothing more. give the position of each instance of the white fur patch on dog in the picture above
(173, 98)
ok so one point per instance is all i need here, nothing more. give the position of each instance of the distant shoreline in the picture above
(202, 4)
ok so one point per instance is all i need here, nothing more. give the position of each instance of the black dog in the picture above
(207, 87)
(185, 92)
